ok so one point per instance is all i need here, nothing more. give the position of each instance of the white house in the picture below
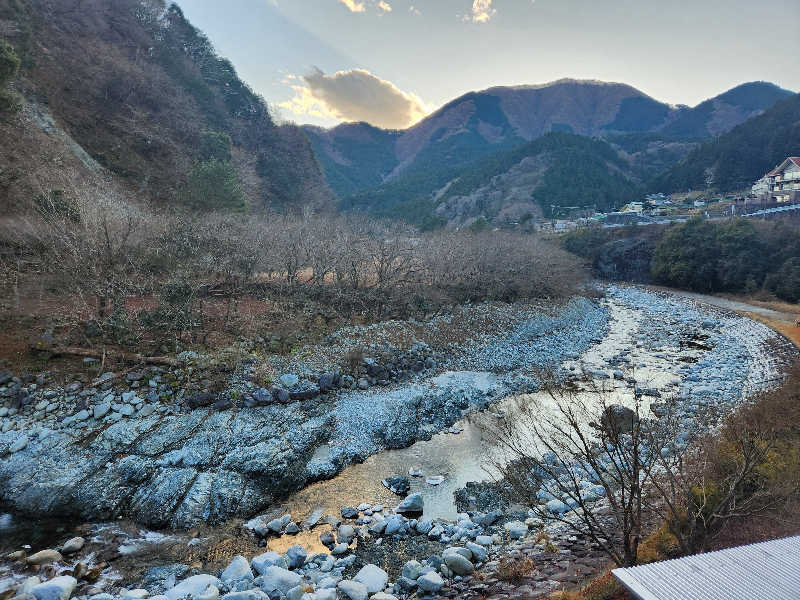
(784, 181)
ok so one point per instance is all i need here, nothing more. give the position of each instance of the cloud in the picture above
(385, 6)
(353, 5)
(355, 95)
(414, 10)
(482, 11)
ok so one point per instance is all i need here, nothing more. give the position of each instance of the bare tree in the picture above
(566, 451)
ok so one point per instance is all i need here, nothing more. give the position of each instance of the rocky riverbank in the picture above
(161, 448)
(181, 465)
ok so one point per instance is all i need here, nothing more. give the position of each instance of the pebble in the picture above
(44, 557)
(73, 545)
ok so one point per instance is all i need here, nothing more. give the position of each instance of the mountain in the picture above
(498, 118)
(556, 171)
(139, 95)
(734, 160)
(723, 112)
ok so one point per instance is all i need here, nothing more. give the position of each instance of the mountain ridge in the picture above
(478, 123)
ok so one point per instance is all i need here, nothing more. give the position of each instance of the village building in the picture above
(782, 184)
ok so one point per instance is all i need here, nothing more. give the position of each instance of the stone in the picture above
(415, 472)
(296, 593)
(516, 529)
(479, 553)
(289, 380)
(296, 555)
(192, 586)
(556, 506)
(411, 569)
(326, 594)
(292, 529)
(210, 593)
(44, 557)
(101, 410)
(126, 410)
(277, 525)
(484, 540)
(340, 549)
(135, 594)
(382, 596)
(399, 485)
(353, 589)
(457, 562)
(18, 445)
(618, 418)
(436, 480)
(280, 579)
(73, 545)
(245, 595)
(348, 512)
(412, 504)
(326, 382)
(394, 524)
(430, 582)
(238, 568)
(363, 383)
(58, 588)
(327, 539)
(269, 559)
(345, 534)
(373, 577)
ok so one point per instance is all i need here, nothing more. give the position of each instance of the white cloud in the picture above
(354, 5)
(355, 95)
(482, 11)
(414, 10)
(385, 6)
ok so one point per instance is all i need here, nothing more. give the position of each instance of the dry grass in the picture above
(788, 330)
(515, 570)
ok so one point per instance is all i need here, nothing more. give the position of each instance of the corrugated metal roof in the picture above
(763, 571)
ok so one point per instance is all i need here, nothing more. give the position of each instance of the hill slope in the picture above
(542, 177)
(734, 160)
(480, 123)
(142, 91)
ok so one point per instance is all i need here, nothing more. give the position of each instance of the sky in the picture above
(392, 62)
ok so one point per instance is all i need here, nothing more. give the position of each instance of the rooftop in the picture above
(767, 570)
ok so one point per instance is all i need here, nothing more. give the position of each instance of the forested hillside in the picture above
(144, 93)
(733, 161)
(542, 177)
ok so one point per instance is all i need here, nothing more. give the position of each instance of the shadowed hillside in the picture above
(144, 94)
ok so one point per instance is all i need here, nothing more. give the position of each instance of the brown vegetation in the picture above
(109, 273)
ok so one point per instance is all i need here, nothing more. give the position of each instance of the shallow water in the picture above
(466, 456)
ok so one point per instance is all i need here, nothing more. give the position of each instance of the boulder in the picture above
(411, 569)
(430, 582)
(618, 419)
(58, 588)
(296, 555)
(373, 577)
(516, 529)
(72, 545)
(238, 568)
(399, 485)
(195, 585)
(44, 557)
(282, 580)
(457, 562)
(269, 559)
(353, 590)
(412, 504)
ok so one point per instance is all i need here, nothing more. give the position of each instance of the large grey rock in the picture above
(619, 419)
(430, 582)
(373, 577)
(458, 564)
(277, 578)
(269, 559)
(296, 555)
(238, 568)
(192, 586)
(516, 529)
(412, 504)
(345, 534)
(58, 588)
(44, 557)
(479, 553)
(73, 545)
(411, 569)
(353, 590)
